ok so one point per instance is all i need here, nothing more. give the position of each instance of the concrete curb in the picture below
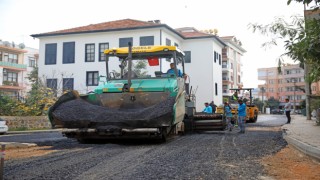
(34, 131)
(307, 149)
(15, 145)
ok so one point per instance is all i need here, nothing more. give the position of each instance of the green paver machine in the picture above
(126, 103)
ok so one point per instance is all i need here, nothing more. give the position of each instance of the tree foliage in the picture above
(301, 44)
(272, 103)
(37, 102)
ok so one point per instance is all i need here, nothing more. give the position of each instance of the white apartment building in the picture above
(30, 60)
(74, 59)
(232, 65)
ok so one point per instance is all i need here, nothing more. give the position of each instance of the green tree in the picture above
(273, 103)
(139, 67)
(40, 97)
(258, 103)
(301, 44)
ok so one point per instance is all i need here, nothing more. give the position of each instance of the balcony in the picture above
(10, 65)
(11, 85)
(225, 78)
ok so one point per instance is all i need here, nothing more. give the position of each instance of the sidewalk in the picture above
(304, 135)
(15, 145)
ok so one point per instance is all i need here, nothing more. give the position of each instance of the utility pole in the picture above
(294, 95)
(262, 91)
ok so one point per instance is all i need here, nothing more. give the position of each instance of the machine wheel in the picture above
(255, 118)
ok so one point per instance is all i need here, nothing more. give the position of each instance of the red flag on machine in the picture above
(153, 61)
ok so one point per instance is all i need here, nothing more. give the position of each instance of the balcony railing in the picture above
(225, 78)
(225, 66)
(14, 65)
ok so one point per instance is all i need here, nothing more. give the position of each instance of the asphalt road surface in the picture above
(39, 137)
(206, 155)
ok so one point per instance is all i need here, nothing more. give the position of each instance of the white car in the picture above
(3, 126)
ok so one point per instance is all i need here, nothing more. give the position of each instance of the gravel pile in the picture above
(193, 156)
(79, 113)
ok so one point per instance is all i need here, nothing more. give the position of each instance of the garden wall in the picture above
(27, 122)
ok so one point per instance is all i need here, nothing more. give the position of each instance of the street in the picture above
(228, 155)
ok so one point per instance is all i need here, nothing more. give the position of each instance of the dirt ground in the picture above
(290, 163)
(20, 153)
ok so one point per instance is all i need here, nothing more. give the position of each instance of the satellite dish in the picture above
(21, 46)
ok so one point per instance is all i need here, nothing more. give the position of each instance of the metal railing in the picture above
(14, 65)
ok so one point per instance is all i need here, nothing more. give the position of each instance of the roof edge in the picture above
(108, 30)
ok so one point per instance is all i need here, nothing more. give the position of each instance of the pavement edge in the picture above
(301, 146)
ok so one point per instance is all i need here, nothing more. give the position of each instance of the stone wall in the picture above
(27, 122)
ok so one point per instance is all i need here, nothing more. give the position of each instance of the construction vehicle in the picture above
(126, 105)
(252, 110)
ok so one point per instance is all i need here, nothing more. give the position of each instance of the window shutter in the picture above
(146, 40)
(187, 58)
(123, 42)
(68, 52)
(50, 54)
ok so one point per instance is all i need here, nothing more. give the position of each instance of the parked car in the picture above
(3, 126)
(277, 111)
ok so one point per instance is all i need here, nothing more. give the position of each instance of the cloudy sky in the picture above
(21, 18)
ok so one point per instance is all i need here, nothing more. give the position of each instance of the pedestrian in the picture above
(214, 107)
(228, 115)
(287, 109)
(235, 96)
(171, 71)
(242, 113)
(207, 109)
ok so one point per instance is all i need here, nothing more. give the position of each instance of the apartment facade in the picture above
(232, 65)
(74, 59)
(30, 60)
(12, 70)
(290, 83)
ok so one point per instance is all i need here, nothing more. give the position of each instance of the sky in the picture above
(21, 18)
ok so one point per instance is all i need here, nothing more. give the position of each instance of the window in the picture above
(32, 61)
(123, 42)
(13, 58)
(168, 42)
(92, 78)
(187, 56)
(102, 47)
(224, 64)
(219, 59)
(314, 88)
(68, 52)
(215, 57)
(176, 44)
(216, 88)
(231, 64)
(146, 40)
(52, 83)
(67, 84)
(225, 88)
(89, 52)
(239, 79)
(11, 77)
(50, 54)
(0, 56)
